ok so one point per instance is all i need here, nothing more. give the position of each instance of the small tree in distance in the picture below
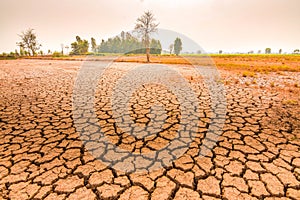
(145, 25)
(22, 51)
(171, 48)
(268, 50)
(29, 42)
(80, 46)
(94, 45)
(177, 46)
(155, 47)
(62, 48)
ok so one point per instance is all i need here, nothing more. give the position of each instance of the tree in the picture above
(80, 46)
(145, 25)
(29, 41)
(22, 51)
(155, 47)
(177, 46)
(62, 49)
(102, 47)
(116, 44)
(220, 51)
(129, 44)
(171, 48)
(280, 51)
(94, 44)
(296, 51)
(16, 52)
(268, 50)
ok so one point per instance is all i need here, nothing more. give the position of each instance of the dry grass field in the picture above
(243, 62)
(263, 63)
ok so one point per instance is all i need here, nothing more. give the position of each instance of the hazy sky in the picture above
(230, 25)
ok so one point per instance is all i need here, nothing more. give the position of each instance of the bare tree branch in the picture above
(145, 25)
(29, 41)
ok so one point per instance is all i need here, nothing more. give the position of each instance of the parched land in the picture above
(44, 156)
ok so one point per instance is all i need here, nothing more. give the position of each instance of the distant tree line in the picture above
(125, 43)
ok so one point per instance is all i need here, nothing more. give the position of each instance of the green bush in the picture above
(57, 54)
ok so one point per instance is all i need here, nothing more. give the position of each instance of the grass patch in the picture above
(248, 74)
(290, 102)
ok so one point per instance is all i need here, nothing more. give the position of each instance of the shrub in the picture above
(57, 54)
(5, 56)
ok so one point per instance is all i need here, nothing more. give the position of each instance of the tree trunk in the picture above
(148, 54)
(33, 52)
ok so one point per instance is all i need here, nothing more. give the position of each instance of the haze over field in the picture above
(230, 25)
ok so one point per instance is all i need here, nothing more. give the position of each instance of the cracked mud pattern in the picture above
(42, 156)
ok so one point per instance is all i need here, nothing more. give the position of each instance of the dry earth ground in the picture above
(42, 156)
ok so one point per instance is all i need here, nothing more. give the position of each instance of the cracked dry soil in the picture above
(42, 156)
